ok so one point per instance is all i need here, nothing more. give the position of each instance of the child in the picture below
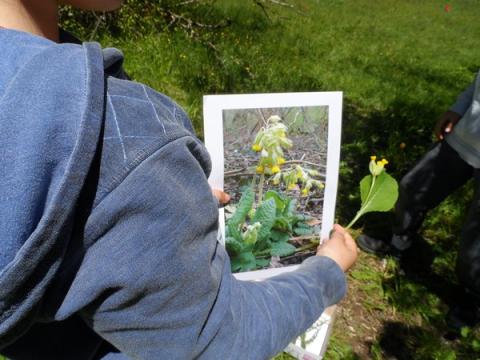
(449, 165)
(107, 222)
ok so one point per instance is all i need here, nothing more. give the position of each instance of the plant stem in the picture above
(260, 188)
(312, 244)
(360, 212)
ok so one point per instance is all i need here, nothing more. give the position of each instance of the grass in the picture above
(400, 64)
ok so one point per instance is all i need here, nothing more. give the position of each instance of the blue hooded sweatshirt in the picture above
(108, 227)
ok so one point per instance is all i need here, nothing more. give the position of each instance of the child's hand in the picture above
(222, 197)
(341, 248)
(446, 123)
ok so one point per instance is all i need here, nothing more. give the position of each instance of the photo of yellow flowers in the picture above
(277, 156)
(274, 166)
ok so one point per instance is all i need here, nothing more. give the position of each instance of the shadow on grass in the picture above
(402, 342)
(422, 297)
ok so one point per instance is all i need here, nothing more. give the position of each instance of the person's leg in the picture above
(431, 180)
(468, 261)
(439, 173)
(466, 312)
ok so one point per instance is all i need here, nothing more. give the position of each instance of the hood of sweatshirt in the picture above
(51, 111)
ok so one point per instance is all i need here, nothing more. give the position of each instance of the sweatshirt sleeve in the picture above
(157, 284)
(464, 100)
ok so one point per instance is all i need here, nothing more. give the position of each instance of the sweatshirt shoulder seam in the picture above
(143, 155)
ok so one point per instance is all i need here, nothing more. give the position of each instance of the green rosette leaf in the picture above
(244, 206)
(265, 215)
(233, 246)
(282, 249)
(243, 262)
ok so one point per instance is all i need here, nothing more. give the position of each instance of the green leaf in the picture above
(382, 196)
(282, 249)
(244, 206)
(290, 207)
(378, 193)
(233, 246)
(280, 201)
(262, 263)
(234, 232)
(283, 224)
(465, 332)
(279, 236)
(301, 230)
(476, 345)
(265, 215)
(243, 262)
(302, 217)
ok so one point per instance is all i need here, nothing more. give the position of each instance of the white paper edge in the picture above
(213, 107)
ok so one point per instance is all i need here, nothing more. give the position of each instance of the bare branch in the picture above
(281, 3)
(306, 163)
(188, 2)
(98, 21)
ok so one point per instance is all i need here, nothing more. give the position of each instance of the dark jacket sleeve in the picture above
(157, 284)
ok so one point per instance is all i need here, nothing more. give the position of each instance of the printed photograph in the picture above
(275, 170)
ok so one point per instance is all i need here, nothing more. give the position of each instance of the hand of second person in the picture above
(340, 247)
(446, 123)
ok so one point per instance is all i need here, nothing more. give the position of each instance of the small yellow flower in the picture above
(260, 169)
(275, 169)
(382, 163)
(281, 161)
(376, 168)
(305, 192)
(256, 147)
(373, 158)
(291, 187)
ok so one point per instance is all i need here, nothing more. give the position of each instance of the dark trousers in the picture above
(440, 172)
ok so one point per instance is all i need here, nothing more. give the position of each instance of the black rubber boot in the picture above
(378, 247)
(465, 314)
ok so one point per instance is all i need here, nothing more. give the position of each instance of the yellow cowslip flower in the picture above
(373, 158)
(281, 161)
(260, 169)
(291, 187)
(275, 169)
(304, 192)
(376, 168)
(382, 163)
(256, 147)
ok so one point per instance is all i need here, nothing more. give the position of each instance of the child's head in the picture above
(98, 5)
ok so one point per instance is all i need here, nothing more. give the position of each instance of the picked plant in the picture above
(378, 191)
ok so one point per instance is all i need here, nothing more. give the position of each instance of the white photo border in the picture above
(213, 107)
